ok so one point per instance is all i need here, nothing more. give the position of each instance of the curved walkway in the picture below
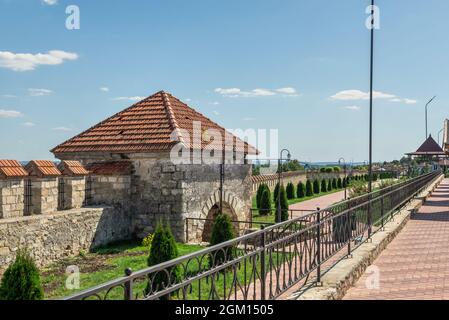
(415, 265)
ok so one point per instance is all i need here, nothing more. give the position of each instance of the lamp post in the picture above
(344, 171)
(427, 104)
(279, 181)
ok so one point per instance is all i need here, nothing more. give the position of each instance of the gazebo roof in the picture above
(429, 148)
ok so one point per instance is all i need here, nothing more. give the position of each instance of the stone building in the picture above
(130, 156)
(12, 189)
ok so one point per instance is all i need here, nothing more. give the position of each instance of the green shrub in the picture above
(284, 206)
(334, 183)
(329, 169)
(276, 192)
(222, 231)
(322, 169)
(21, 281)
(146, 242)
(300, 190)
(316, 186)
(329, 185)
(345, 182)
(260, 189)
(336, 169)
(290, 191)
(163, 249)
(265, 203)
(339, 183)
(323, 185)
(309, 190)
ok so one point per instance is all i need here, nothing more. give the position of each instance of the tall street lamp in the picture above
(427, 104)
(344, 170)
(279, 181)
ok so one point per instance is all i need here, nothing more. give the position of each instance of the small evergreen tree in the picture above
(260, 189)
(300, 190)
(316, 187)
(265, 203)
(163, 248)
(334, 183)
(329, 185)
(345, 182)
(309, 190)
(21, 281)
(290, 191)
(222, 231)
(284, 206)
(323, 185)
(276, 192)
(339, 183)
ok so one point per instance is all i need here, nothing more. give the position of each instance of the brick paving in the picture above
(319, 202)
(415, 265)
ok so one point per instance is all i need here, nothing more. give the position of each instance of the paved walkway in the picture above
(319, 202)
(415, 265)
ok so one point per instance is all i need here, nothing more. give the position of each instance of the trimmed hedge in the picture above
(290, 191)
(316, 187)
(323, 185)
(309, 190)
(284, 206)
(300, 190)
(265, 203)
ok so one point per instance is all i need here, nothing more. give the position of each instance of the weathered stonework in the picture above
(74, 192)
(61, 234)
(111, 190)
(11, 198)
(44, 195)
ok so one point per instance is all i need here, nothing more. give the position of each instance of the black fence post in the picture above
(187, 230)
(262, 266)
(349, 222)
(318, 243)
(128, 285)
(382, 210)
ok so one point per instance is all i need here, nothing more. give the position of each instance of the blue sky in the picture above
(290, 60)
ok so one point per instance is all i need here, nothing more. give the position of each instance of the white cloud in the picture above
(215, 103)
(28, 124)
(258, 92)
(104, 89)
(50, 2)
(39, 92)
(405, 100)
(29, 61)
(9, 96)
(360, 95)
(353, 108)
(136, 98)
(61, 129)
(10, 113)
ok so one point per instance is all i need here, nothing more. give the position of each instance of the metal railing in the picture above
(266, 263)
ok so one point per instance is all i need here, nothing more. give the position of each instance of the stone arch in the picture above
(212, 208)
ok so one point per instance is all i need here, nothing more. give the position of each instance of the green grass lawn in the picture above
(109, 263)
(105, 264)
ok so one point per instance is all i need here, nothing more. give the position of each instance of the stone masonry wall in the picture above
(53, 236)
(44, 195)
(74, 192)
(11, 198)
(111, 190)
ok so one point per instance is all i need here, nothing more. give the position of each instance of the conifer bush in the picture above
(265, 203)
(163, 248)
(339, 183)
(309, 189)
(222, 231)
(334, 183)
(290, 191)
(260, 189)
(316, 187)
(329, 185)
(276, 192)
(323, 185)
(300, 190)
(284, 206)
(21, 280)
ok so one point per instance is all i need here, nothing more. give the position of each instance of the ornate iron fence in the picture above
(266, 263)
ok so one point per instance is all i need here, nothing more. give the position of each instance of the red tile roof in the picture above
(144, 127)
(429, 147)
(71, 167)
(44, 168)
(110, 168)
(12, 168)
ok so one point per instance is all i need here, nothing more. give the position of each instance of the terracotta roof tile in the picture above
(12, 168)
(144, 126)
(44, 168)
(71, 167)
(110, 168)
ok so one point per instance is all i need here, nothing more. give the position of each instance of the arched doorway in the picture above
(212, 214)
